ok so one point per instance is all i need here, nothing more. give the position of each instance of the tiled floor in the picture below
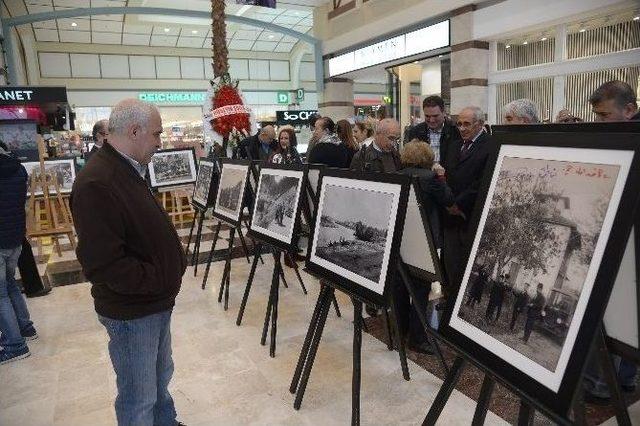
(223, 376)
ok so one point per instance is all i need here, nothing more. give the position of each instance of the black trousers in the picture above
(454, 257)
(30, 277)
(528, 327)
(408, 319)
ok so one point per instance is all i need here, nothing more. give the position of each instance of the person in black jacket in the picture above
(521, 300)
(285, 152)
(259, 146)
(464, 167)
(131, 253)
(381, 155)
(417, 161)
(15, 324)
(436, 130)
(329, 150)
(99, 133)
(534, 312)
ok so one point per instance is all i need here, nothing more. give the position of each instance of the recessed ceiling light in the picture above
(440, 56)
(582, 30)
(271, 35)
(166, 30)
(508, 46)
(73, 24)
(543, 39)
(636, 18)
(525, 43)
(194, 31)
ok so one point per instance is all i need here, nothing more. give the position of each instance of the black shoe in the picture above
(180, 424)
(590, 398)
(421, 348)
(628, 388)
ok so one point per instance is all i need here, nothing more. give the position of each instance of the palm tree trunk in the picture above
(219, 39)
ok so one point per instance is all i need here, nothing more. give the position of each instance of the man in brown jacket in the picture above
(131, 254)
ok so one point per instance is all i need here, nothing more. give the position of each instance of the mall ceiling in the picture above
(167, 31)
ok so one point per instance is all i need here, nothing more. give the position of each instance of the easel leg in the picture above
(226, 277)
(307, 340)
(579, 414)
(247, 289)
(483, 401)
(357, 365)
(313, 349)
(525, 415)
(387, 328)
(295, 268)
(244, 243)
(444, 393)
(399, 338)
(213, 246)
(196, 246)
(284, 280)
(274, 308)
(611, 377)
(421, 310)
(334, 301)
(193, 225)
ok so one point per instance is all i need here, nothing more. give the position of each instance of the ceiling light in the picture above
(636, 18)
(525, 43)
(508, 46)
(73, 24)
(166, 30)
(543, 39)
(271, 36)
(582, 30)
(440, 56)
(194, 31)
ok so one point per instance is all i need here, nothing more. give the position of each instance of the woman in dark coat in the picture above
(286, 151)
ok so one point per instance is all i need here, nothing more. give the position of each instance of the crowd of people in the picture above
(131, 253)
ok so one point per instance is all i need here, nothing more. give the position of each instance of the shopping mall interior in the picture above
(303, 287)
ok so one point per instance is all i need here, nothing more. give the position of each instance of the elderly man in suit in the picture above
(465, 162)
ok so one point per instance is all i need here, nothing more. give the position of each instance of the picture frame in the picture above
(230, 195)
(204, 190)
(275, 217)
(312, 185)
(65, 170)
(418, 250)
(577, 152)
(21, 137)
(173, 167)
(356, 244)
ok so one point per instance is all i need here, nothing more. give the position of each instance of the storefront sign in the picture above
(420, 41)
(300, 95)
(294, 117)
(12, 95)
(283, 97)
(173, 97)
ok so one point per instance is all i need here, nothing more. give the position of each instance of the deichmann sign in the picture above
(173, 97)
(423, 40)
(12, 95)
(294, 117)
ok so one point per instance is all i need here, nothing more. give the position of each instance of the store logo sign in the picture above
(420, 41)
(15, 95)
(294, 117)
(283, 97)
(173, 97)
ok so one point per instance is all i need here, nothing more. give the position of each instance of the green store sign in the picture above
(173, 97)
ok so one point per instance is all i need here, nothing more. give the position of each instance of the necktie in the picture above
(465, 147)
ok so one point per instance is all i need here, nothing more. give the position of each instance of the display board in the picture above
(231, 189)
(356, 238)
(21, 137)
(172, 167)
(418, 250)
(204, 189)
(556, 211)
(276, 211)
(63, 168)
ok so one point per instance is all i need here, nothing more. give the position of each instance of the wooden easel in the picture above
(177, 203)
(49, 215)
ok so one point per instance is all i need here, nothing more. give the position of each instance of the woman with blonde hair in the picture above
(363, 133)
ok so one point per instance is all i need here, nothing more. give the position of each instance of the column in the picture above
(336, 101)
(469, 63)
(559, 81)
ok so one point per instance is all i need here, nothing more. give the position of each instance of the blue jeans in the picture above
(14, 315)
(594, 381)
(140, 351)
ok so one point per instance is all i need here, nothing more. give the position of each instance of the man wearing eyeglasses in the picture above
(382, 154)
(466, 163)
(100, 133)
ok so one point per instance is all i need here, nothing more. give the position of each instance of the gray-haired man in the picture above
(131, 254)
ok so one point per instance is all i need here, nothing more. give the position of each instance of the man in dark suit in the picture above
(520, 302)
(534, 312)
(100, 133)
(465, 162)
(258, 146)
(436, 130)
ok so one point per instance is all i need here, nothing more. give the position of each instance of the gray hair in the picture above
(130, 112)
(523, 108)
(478, 114)
(384, 125)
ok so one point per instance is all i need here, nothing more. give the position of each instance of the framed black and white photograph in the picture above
(231, 191)
(553, 227)
(172, 167)
(358, 229)
(418, 251)
(64, 170)
(21, 137)
(204, 189)
(277, 205)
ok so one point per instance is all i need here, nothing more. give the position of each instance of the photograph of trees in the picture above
(276, 204)
(535, 249)
(203, 183)
(231, 190)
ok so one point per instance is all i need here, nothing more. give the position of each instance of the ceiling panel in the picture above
(46, 35)
(270, 36)
(107, 26)
(167, 31)
(284, 47)
(246, 35)
(74, 24)
(46, 24)
(264, 46)
(162, 40)
(106, 38)
(108, 17)
(75, 36)
(72, 3)
(283, 19)
(241, 44)
(137, 29)
(39, 8)
(108, 3)
(194, 42)
(136, 39)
